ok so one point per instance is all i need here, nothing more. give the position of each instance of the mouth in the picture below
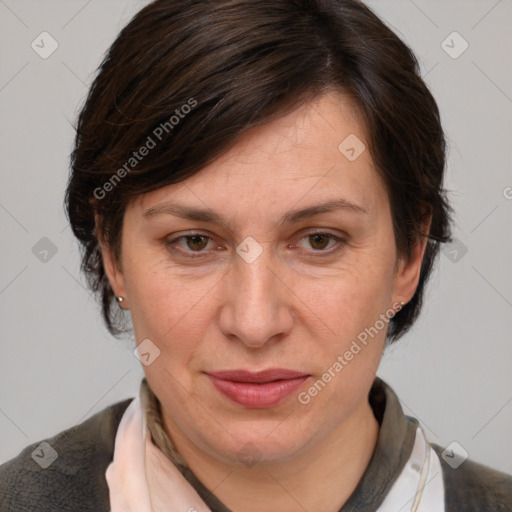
(257, 390)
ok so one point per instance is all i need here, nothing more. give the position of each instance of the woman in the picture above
(258, 191)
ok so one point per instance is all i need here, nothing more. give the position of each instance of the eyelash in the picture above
(170, 244)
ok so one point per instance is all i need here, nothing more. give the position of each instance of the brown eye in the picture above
(319, 240)
(196, 242)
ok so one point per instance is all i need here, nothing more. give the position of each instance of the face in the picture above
(267, 279)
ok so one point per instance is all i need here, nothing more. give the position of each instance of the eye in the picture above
(320, 240)
(192, 243)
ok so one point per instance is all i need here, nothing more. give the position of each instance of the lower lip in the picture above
(254, 395)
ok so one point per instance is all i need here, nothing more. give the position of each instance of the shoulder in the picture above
(473, 487)
(70, 475)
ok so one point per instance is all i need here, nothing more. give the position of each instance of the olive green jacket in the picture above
(75, 480)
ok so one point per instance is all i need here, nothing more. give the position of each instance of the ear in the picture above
(408, 271)
(113, 268)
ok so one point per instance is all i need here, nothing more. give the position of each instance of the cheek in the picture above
(354, 296)
(164, 306)
(350, 352)
(347, 358)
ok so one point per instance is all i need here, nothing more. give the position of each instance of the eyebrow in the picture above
(291, 217)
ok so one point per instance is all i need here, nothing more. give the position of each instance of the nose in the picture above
(257, 307)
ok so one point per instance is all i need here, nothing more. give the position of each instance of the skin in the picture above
(287, 309)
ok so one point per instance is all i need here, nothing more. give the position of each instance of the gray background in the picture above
(58, 364)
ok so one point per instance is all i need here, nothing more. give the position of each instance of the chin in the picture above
(263, 442)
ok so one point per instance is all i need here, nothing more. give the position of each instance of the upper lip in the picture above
(269, 375)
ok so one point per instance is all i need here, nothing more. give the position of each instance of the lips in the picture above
(262, 389)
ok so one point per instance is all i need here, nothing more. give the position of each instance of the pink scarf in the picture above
(141, 478)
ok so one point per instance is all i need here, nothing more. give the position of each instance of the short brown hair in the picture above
(239, 64)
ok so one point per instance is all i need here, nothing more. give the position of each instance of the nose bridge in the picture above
(254, 308)
(255, 279)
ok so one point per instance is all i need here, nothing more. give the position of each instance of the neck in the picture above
(304, 482)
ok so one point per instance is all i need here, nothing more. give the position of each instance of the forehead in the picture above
(320, 150)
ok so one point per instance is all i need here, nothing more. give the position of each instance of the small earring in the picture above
(119, 299)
